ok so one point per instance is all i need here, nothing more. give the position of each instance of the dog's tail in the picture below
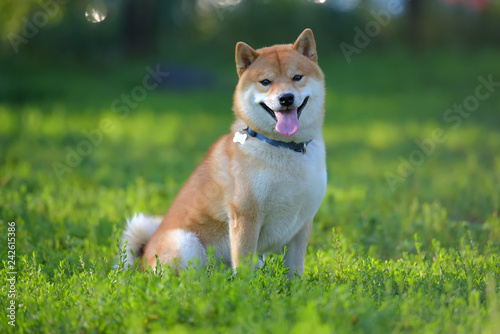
(140, 229)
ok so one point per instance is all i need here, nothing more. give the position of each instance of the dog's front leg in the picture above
(243, 235)
(296, 250)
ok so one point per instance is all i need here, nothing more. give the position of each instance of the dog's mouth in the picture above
(287, 121)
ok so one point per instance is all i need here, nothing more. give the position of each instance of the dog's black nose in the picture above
(286, 100)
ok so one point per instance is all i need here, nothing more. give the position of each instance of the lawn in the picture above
(406, 240)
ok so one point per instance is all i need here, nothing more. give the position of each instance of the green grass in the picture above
(420, 258)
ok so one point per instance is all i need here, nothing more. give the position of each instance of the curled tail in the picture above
(140, 229)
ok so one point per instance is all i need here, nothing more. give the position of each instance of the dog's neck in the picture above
(296, 147)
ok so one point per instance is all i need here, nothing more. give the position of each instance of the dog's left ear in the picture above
(306, 45)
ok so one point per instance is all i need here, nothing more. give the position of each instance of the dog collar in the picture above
(297, 147)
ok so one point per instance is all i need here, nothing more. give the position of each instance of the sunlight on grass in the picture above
(354, 193)
(7, 121)
(146, 127)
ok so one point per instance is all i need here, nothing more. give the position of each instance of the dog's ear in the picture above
(245, 56)
(306, 45)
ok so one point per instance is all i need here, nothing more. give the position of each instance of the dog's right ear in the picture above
(245, 56)
(306, 45)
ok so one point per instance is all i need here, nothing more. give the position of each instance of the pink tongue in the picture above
(288, 122)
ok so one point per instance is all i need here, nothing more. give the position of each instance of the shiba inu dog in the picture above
(259, 187)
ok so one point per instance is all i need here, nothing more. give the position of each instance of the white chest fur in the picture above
(289, 188)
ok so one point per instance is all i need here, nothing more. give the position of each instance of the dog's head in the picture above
(280, 92)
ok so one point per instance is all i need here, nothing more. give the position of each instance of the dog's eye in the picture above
(265, 82)
(297, 77)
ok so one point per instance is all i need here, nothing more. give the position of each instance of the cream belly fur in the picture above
(248, 196)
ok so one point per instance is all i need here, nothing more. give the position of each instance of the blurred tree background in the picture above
(51, 30)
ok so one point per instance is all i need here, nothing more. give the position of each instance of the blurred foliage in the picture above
(185, 28)
(12, 13)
